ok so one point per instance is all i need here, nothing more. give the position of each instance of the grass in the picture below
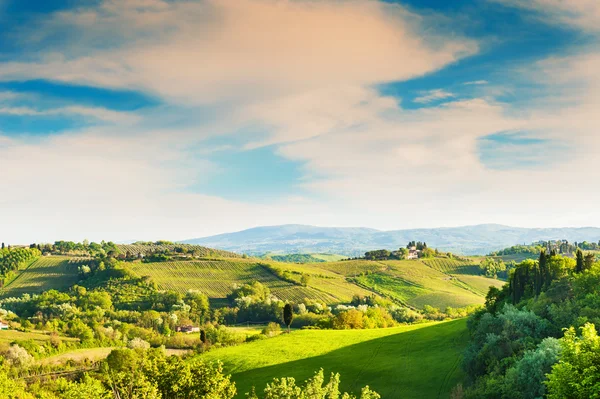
(95, 354)
(480, 283)
(38, 336)
(46, 273)
(329, 257)
(416, 361)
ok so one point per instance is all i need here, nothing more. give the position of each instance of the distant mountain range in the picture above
(351, 241)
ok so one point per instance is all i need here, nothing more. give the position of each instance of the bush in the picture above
(18, 357)
(271, 329)
(138, 343)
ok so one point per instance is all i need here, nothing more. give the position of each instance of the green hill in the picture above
(437, 282)
(46, 273)
(216, 279)
(417, 361)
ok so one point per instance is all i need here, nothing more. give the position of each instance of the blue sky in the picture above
(173, 119)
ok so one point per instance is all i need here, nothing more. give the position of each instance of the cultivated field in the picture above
(417, 361)
(453, 266)
(46, 273)
(415, 284)
(216, 279)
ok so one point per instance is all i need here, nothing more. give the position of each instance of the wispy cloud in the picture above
(477, 82)
(102, 114)
(433, 95)
(583, 14)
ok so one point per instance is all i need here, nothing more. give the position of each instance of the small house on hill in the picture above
(3, 326)
(413, 253)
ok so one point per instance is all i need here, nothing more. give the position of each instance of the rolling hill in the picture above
(480, 239)
(416, 361)
(439, 282)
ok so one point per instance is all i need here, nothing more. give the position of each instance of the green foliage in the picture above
(12, 389)
(12, 259)
(380, 254)
(86, 388)
(313, 388)
(493, 268)
(576, 375)
(525, 380)
(296, 258)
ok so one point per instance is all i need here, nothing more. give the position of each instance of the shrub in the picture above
(18, 356)
(271, 329)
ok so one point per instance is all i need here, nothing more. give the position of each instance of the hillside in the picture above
(480, 239)
(46, 273)
(438, 282)
(412, 283)
(417, 361)
(216, 279)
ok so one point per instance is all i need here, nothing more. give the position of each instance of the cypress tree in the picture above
(579, 267)
(589, 260)
(543, 266)
(288, 315)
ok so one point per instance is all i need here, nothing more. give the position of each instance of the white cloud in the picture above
(477, 82)
(205, 52)
(433, 95)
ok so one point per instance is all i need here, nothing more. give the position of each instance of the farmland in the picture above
(453, 266)
(413, 283)
(46, 273)
(216, 278)
(417, 361)
(437, 282)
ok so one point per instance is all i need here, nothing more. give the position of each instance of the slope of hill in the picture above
(46, 273)
(413, 283)
(480, 239)
(436, 282)
(216, 279)
(417, 361)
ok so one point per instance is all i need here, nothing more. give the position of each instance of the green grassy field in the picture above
(417, 361)
(329, 257)
(46, 273)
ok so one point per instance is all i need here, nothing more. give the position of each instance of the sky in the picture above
(154, 119)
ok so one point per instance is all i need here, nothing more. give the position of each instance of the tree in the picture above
(288, 315)
(579, 266)
(203, 336)
(286, 388)
(588, 261)
(576, 374)
(305, 279)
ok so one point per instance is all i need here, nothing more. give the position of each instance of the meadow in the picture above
(415, 361)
